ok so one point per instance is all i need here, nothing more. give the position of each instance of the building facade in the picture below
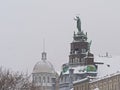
(44, 76)
(111, 82)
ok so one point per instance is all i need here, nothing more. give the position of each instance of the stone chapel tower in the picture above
(80, 48)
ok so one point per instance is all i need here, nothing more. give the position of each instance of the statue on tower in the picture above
(78, 23)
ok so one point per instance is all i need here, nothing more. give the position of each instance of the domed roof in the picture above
(43, 66)
(91, 68)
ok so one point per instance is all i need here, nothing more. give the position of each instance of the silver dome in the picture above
(43, 66)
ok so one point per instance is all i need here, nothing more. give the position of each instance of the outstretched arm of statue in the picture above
(75, 19)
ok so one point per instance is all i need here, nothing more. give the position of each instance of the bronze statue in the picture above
(78, 23)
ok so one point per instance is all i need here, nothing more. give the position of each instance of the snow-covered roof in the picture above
(96, 89)
(100, 78)
(110, 65)
(81, 80)
(78, 70)
(107, 67)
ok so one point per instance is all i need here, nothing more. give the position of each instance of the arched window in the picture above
(44, 80)
(40, 79)
(71, 60)
(48, 79)
(34, 78)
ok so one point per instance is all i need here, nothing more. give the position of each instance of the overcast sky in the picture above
(25, 23)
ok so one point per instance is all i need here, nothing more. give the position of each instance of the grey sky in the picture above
(24, 24)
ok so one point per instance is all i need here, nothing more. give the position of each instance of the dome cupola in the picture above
(43, 65)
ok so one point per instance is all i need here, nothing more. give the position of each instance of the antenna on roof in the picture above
(78, 14)
(43, 45)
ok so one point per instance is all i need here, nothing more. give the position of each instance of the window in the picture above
(61, 79)
(83, 50)
(76, 78)
(39, 79)
(48, 79)
(76, 60)
(34, 78)
(44, 80)
(71, 60)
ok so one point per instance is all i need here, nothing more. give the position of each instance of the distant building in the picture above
(44, 75)
(111, 82)
(84, 71)
(81, 61)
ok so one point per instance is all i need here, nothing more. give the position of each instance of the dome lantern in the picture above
(44, 56)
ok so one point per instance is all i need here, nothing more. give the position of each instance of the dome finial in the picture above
(44, 56)
(43, 45)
